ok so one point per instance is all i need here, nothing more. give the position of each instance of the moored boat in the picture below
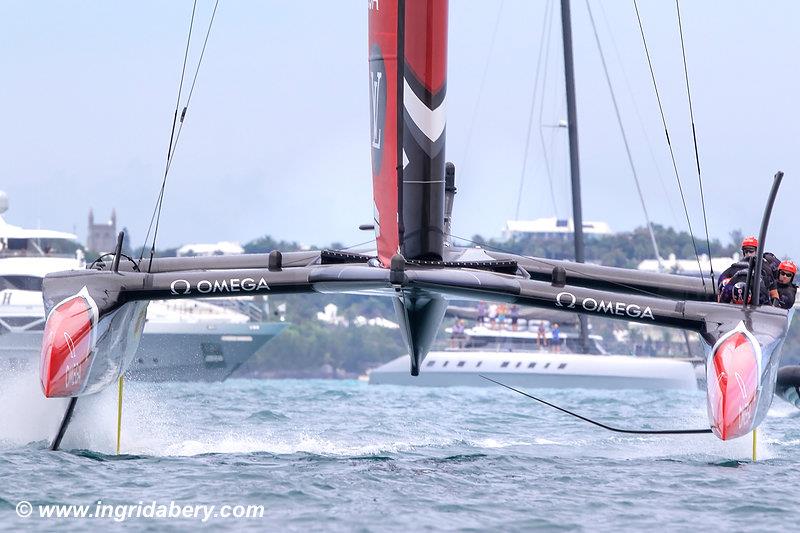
(522, 358)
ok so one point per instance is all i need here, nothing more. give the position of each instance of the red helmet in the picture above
(750, 242)
(788, 266)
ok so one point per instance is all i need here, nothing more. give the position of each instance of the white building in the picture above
(688, 267)
(220, 248)
(553, 227)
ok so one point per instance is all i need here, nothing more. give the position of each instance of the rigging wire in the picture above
(669, 144)
(357, 245)
(625, 139)
(480, 88)
(533, 107)
(638, 113)
(174, 145)
(548, 169)
(694, 139)
(172, 132)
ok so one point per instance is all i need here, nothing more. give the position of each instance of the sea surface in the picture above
(344, 455)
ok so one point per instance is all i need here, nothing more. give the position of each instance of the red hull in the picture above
(67, 346)
(733, 379)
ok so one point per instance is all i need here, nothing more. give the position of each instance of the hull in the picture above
(540, 370)
(167, 352)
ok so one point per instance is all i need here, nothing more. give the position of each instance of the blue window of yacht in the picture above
(505, 364)
(547, 365)
(462, 363)
(519, 364)
(479, 364)
(531, 365)
(431, 363)
(445, 363)
(562, 365)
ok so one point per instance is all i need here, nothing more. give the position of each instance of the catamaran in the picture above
(95, 317)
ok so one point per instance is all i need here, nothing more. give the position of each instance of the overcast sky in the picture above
(276, 137)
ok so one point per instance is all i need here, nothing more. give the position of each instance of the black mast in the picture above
(575, 172)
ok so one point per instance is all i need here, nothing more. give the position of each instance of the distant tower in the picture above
(102, 237)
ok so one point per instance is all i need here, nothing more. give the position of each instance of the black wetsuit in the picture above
(726, 290)
(767, 273)
(786, 295)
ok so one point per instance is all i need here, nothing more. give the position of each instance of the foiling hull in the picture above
(741, 372)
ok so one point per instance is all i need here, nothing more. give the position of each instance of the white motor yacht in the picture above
(522, 358)
(183, 340)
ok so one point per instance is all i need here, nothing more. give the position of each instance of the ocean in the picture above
(347, 456)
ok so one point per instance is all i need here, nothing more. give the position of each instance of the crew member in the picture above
(786, 289)
(734, 288)
(768, 270)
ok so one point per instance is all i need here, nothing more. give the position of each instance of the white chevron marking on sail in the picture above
(431, 122)
(405, 158)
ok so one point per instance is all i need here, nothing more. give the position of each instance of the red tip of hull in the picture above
(67, 346)
(733, 377)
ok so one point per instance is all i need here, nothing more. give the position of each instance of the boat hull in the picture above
(168, 352)
(540, 370)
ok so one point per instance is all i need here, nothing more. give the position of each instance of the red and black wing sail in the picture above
(408, 81)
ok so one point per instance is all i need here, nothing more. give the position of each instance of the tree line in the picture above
(309, 347)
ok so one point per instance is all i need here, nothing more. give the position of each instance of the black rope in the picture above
(669, 144)
(533, 107)
(624, 137)
(172, 131)
(600, 424)
(696, 152)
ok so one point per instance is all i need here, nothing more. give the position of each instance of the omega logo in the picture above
(569, 301)
(173, 287)
(205, 286)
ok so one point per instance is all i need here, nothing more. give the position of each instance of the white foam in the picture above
(25, 414)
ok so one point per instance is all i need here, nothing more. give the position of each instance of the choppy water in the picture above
(339, 455)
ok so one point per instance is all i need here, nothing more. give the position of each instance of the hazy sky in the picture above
(276, 137)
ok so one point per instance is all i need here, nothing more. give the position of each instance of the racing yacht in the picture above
(187, 340)
(523, 358)
(96, 317)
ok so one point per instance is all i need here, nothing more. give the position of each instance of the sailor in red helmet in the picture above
(786, 289)
(737, 272)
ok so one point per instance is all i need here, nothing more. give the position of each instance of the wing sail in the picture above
(408, 73)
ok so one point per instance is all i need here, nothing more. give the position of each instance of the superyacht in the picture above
(183, 340)
(533, 358)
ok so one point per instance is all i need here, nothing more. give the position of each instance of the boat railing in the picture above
(4, 253)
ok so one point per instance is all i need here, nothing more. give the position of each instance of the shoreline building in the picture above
(554, 227)
(102, 237)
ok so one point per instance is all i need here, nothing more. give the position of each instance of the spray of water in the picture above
(26, 416)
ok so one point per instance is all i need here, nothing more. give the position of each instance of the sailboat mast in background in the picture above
(574, 166)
